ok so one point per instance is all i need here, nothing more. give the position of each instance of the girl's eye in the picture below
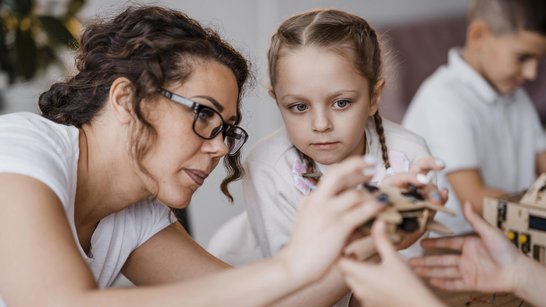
(342, 104)
(298, 107)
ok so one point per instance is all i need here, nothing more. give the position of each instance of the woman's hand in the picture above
(389, 283)
(488, 262)
(327, 217)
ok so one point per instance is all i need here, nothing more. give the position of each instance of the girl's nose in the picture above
(321, 121)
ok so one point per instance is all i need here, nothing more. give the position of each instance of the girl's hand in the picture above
(327, 217)
(389, 283)
(419, 176)
(487, 262)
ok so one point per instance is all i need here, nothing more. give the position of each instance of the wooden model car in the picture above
(522, 217)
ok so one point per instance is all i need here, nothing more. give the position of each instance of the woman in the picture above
(86, 187)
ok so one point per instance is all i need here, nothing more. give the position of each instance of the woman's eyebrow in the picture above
(218, 106)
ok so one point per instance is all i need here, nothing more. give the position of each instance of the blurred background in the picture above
(417, 34)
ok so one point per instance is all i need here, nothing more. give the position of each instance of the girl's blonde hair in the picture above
(345, 33)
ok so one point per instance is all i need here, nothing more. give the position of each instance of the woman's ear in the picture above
(120, 99)
(376, 96)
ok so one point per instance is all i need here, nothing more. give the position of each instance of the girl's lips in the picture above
(325, 145)
(196, 175)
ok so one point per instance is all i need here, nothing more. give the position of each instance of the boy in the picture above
(473, 112)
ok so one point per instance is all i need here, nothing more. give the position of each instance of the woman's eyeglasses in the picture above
(208, 123)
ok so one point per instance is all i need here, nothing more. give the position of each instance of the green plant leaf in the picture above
(57, 31)
(74, 7)
(25, 54)
(5, 60)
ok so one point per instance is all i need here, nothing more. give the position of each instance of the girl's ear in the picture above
(120, 99)
(376, 96)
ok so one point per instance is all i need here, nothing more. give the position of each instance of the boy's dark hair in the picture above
(506, 16)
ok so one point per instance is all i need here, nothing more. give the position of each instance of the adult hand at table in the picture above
(487, 262)
(389, 283)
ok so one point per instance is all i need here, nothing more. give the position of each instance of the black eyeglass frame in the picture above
(227, 130)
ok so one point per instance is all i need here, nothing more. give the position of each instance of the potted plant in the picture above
(31, 35)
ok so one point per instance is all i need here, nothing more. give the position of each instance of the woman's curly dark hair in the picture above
(151, 47)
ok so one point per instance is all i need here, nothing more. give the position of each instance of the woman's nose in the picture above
(216, 146)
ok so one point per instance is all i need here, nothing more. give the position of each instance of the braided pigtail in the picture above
(381, 133)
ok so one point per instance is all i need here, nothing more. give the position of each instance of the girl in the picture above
(325, 72)
(85, 187)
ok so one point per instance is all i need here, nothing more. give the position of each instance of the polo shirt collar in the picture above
(472, 78)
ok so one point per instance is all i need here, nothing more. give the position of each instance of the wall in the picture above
(248, 24)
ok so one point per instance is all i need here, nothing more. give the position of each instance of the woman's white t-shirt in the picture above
(34, 146)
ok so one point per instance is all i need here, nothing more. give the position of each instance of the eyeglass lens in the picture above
(208, 123)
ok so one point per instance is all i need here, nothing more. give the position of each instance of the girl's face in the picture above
(325, 103)
(180, 160)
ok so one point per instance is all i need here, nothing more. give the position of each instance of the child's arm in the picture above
(468, 185)
(541, 163)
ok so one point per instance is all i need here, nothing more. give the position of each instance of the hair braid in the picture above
(381, 133)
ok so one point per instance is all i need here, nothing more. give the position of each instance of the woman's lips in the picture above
(196, 175)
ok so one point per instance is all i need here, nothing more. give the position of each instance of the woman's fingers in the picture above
(360, 249)
(347, 174)
(381, 239)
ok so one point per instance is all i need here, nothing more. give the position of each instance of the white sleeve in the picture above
(538, 133)
(150, 217)
(271, 210)
(40, 152)
(450, 134)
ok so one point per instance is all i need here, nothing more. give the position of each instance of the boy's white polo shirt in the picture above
(470, 126)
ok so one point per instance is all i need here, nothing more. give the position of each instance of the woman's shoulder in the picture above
(31, 125)
(37, 147)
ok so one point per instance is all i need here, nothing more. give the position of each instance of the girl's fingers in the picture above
(403, 180)
(426, 164)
